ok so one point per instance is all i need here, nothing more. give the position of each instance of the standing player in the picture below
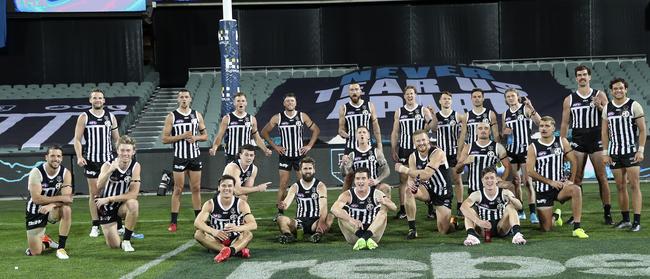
(98, 127)
(545, 163)
(354, 114)
(481, 154)
(581, 112)
(428, 179)
(119, 186)
(225, 223)
(517, 127)
(478, 114)
(244, 172)
(408, 119)
(184, 127)
(623, 119)
(238, 127)
(50, 197)
(495, 214)
(311, 203)
(447, 139)
(365, 156)
(290, 123)
(359, 211)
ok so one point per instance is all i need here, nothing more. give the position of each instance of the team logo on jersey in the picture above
(520, 117)
(625, 113)
(232, 211)
(486, 120)
(372, 158)
(490, 154)
(365, 112)
(418, 116)
(314, 196)
(452, 122)
(500, 207)
(298, 124)
(127, 178)
(370, 207)
(247, 124)
(107, 121)
(557, 151)
(233, 218)
(194, 121)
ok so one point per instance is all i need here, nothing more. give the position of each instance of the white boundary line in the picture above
(142, 269)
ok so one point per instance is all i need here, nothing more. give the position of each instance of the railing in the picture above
(564, 59)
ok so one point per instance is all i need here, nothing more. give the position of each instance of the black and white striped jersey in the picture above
(291, 133)
(50, 185)
(222, 215)
(365, 159)
(307, 199)
(483, 157)
(491, 208)
(356, 116)
(447, 133)
(409, 122)
(584, 114)
(183, 123)
(117, 184)
(238, 133)
(244, 174)
(97, 134)
(363, 209)
(623, 131)
(438, 181)
(473, 120)
(549, 162)
(521, 126)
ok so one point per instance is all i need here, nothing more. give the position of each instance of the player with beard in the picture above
(354, 114)
(365, 156)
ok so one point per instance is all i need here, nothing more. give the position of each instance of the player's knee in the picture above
(198, 235)
(66, 212)
(247, 235)
(133, 206)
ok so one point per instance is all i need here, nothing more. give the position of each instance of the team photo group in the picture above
(433, 150)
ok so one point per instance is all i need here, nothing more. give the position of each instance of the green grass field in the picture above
(90, 258)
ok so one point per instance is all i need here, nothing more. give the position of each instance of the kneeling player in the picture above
(119, 185)
(50, 197)
(362, 219)
(311, 202)
(225, 223)
(428, 167)
(497, 211)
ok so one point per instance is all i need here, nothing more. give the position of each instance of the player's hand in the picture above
(213, 150)
(557, 185)
(322, 226)
(507, 131)
(345, 160)
(382, 200)
(66, 199)
(267, 152)
(411, 186)
(101, 201)
(432, 110)
(81, 162)
(191, 139)
(282, 205)
(484, 224)
(262, 187)
(187, 135)
(356, 223)
(401, 168)
(46, 209)
(279, 149)
(220, 235)
(393, 155)
(372, 182)
(608, 160)
(305, 149)
(638, 157)
(230, 227)
(344, 134)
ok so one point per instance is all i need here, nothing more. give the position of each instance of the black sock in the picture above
(412, 225)
(531, 207)
(119, 223)
(401, 208)
(359, 233)
(520, 211)
(196, 212)
(458, 204)
(62, 240)
(174, 217)
(96, 223)
(626, 216)
(637, 219)
(576, 225)
(367, 234)
(127, 234)
(607, 210)
(281, 211)
(288, 234)
(46, 244)
(516, 229)
(555, 216)
(430, 207)
(232, 250)
(472, 232)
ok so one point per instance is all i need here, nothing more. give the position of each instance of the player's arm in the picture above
(512, 199)
(266, 133)
(105, 173)
(462, 136)
(78, 134)
(291, 193)
(134, 187)
(566, 114)
(322, 202)
(258, 140)
(505, 161)
(35, 189)
(463, 159)
(459, 119)
(531, 112)
(604, 135)
(375, 125)
(200, 222)
(342, 129)
(249, 219)
(503, 124)
(384, 200)
(531, 158)
(346, 164)
(430, 122)
(435, 160)
(315, 132)
(570, 156)
(601, 98)
(115, 132)
(494, 126)
(167, 137)
(639, 119)
(383, 170)
(337, 207)
(223, 126)
(466, 207)
(203, 134)
(394, 134)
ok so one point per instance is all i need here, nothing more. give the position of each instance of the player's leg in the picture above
(179, 184)
(195, 188)
(377, 228)
(601, 174)
(348, 230)
(458, 190)
(514, 170)
(620, 177)
(242, 241)
(92, 193)
(287, 228)
(411, 208)
(528, 184)
(207, 241)
(510, 222)
(637, 198)
(385, 188)
(444, 220)
(472, 235)
(63, 215)
(573, 193)
(545, 214)
(34, 241)
(401, 213)
(284, 175)
(111, 235)
(129, 210)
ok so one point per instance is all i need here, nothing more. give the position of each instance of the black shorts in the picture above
(623, 161)
(181, 165)
(547, 198)
(442, 200)
(108, 216)
(307, 223)
(92, 169)
(33, 221)
(452, 161)
(231, 158)
(517, 158)
(289, 163)
(404, 155)
(586, 140)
